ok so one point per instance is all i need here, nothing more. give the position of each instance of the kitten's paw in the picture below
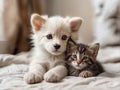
(51, 77)
(31, 77)
(86, 74)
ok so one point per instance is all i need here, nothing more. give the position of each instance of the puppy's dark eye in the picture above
(49, 36)
(64, 37)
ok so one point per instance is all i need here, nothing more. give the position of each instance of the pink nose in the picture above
(78, 61)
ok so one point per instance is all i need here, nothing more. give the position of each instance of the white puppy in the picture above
(50, 39)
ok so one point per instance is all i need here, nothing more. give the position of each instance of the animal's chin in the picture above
(79, 67)
(56, 52)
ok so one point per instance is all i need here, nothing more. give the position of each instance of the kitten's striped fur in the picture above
(81, 59)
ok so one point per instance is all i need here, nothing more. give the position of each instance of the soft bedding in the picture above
(14, 67)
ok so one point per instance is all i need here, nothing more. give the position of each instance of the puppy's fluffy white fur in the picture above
(47, 62)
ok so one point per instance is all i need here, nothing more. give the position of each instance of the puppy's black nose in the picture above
(57, 46)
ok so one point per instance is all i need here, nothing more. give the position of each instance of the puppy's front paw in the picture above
(86, 74)
(51, 77)
(32, 77)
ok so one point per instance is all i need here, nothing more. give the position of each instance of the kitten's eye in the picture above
(64, 37)
(74, 56)
(49, 36)
(84, 59)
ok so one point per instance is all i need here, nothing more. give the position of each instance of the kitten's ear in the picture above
(37, 21)
(95, 49)
(70, 45)
(75, 23)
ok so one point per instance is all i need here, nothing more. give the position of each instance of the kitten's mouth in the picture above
(77, 65)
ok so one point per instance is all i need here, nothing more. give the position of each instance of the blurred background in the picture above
(15, 15)
(80, 8)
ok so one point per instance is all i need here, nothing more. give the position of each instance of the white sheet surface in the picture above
(12, 71)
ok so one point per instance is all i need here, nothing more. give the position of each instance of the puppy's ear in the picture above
(75, 23)
(37, 21)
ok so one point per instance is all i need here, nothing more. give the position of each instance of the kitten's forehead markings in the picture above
(82, 48)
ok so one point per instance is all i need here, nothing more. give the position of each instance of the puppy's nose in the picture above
(57, 46)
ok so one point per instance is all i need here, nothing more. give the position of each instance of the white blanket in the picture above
(13, 68)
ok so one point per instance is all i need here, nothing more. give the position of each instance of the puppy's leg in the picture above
(35, 73)
(55, 74)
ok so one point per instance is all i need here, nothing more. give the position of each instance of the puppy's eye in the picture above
(64, 37)
(49, 36)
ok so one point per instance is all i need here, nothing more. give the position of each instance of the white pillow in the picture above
(107, 22)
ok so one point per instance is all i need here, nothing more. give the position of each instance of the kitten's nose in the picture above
(78, 61)
(57, 46)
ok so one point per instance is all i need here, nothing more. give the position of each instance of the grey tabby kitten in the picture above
(81, 59)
